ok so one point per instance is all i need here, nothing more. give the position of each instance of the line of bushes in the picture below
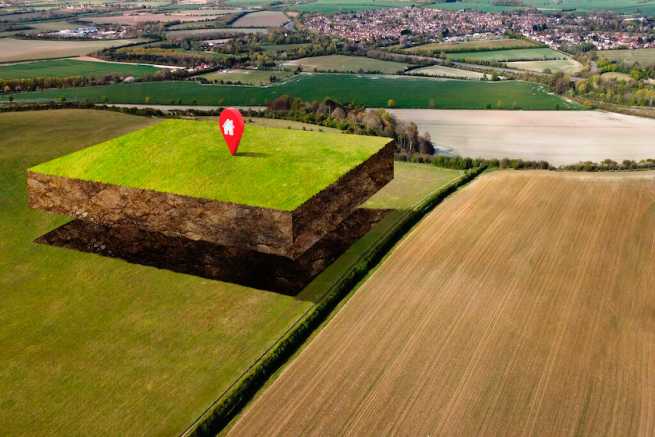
(220, 415)
(460, 163)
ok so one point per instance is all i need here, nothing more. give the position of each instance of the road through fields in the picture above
(523, 305)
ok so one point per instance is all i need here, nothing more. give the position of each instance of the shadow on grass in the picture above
(252, 155)
(211, 261)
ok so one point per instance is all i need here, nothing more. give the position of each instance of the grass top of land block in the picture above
(273, 168)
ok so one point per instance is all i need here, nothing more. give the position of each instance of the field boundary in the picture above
(230, 403)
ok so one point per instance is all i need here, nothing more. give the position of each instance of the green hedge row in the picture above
(222, 412)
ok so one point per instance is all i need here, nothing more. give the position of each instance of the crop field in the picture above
(25, 49)
(133, 19)
(178, 52)
(71, 67)
(443, 71)
(249, 77)
(524, 302)
(369, 90)
(645, 57)
(83, 334)
(351, 64)
(208, 33)
(535, 54)
(481, 45)
(645, 7)
(262, 19)
(567, 66)
(334, 6)
(52, 26)
(551, 136)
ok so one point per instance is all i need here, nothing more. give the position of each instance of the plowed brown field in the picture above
(523, 305)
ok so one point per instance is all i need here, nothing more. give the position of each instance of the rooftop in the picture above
(274, 168)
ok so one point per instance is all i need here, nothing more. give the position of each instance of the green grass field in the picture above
(343, 63)
(248, 77)
(369, 90)
(274, 168)
(97, 346)
(645, 57)
(417, 182)
(483, 44)
(541, 53)
(289, 124)
(70, 67)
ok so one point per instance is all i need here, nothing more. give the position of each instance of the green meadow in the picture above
(97, 346)
(368, 90)
(70, 68)
(533, 54)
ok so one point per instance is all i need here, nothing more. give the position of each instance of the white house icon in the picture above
(228, 127)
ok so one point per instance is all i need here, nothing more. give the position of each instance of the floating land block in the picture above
(283, 191)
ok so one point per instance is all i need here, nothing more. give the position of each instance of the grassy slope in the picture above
(70, 67)
(274, 168)
(365, 90)
(93, 345)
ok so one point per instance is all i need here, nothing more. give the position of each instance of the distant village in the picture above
(600, 32)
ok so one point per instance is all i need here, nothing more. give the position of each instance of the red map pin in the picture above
(231, 125)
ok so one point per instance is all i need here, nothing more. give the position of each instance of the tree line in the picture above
(352, 119)
(39, 83)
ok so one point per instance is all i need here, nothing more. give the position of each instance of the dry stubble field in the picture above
(559, 137)
(523, 305)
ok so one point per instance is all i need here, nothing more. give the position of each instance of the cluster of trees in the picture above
(610, 165)
(17, 85)
(352, 119)
(168, 55)
(636, 71)
(621, 92)
(398, 57)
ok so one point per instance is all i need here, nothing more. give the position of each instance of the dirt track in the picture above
(523, 305)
